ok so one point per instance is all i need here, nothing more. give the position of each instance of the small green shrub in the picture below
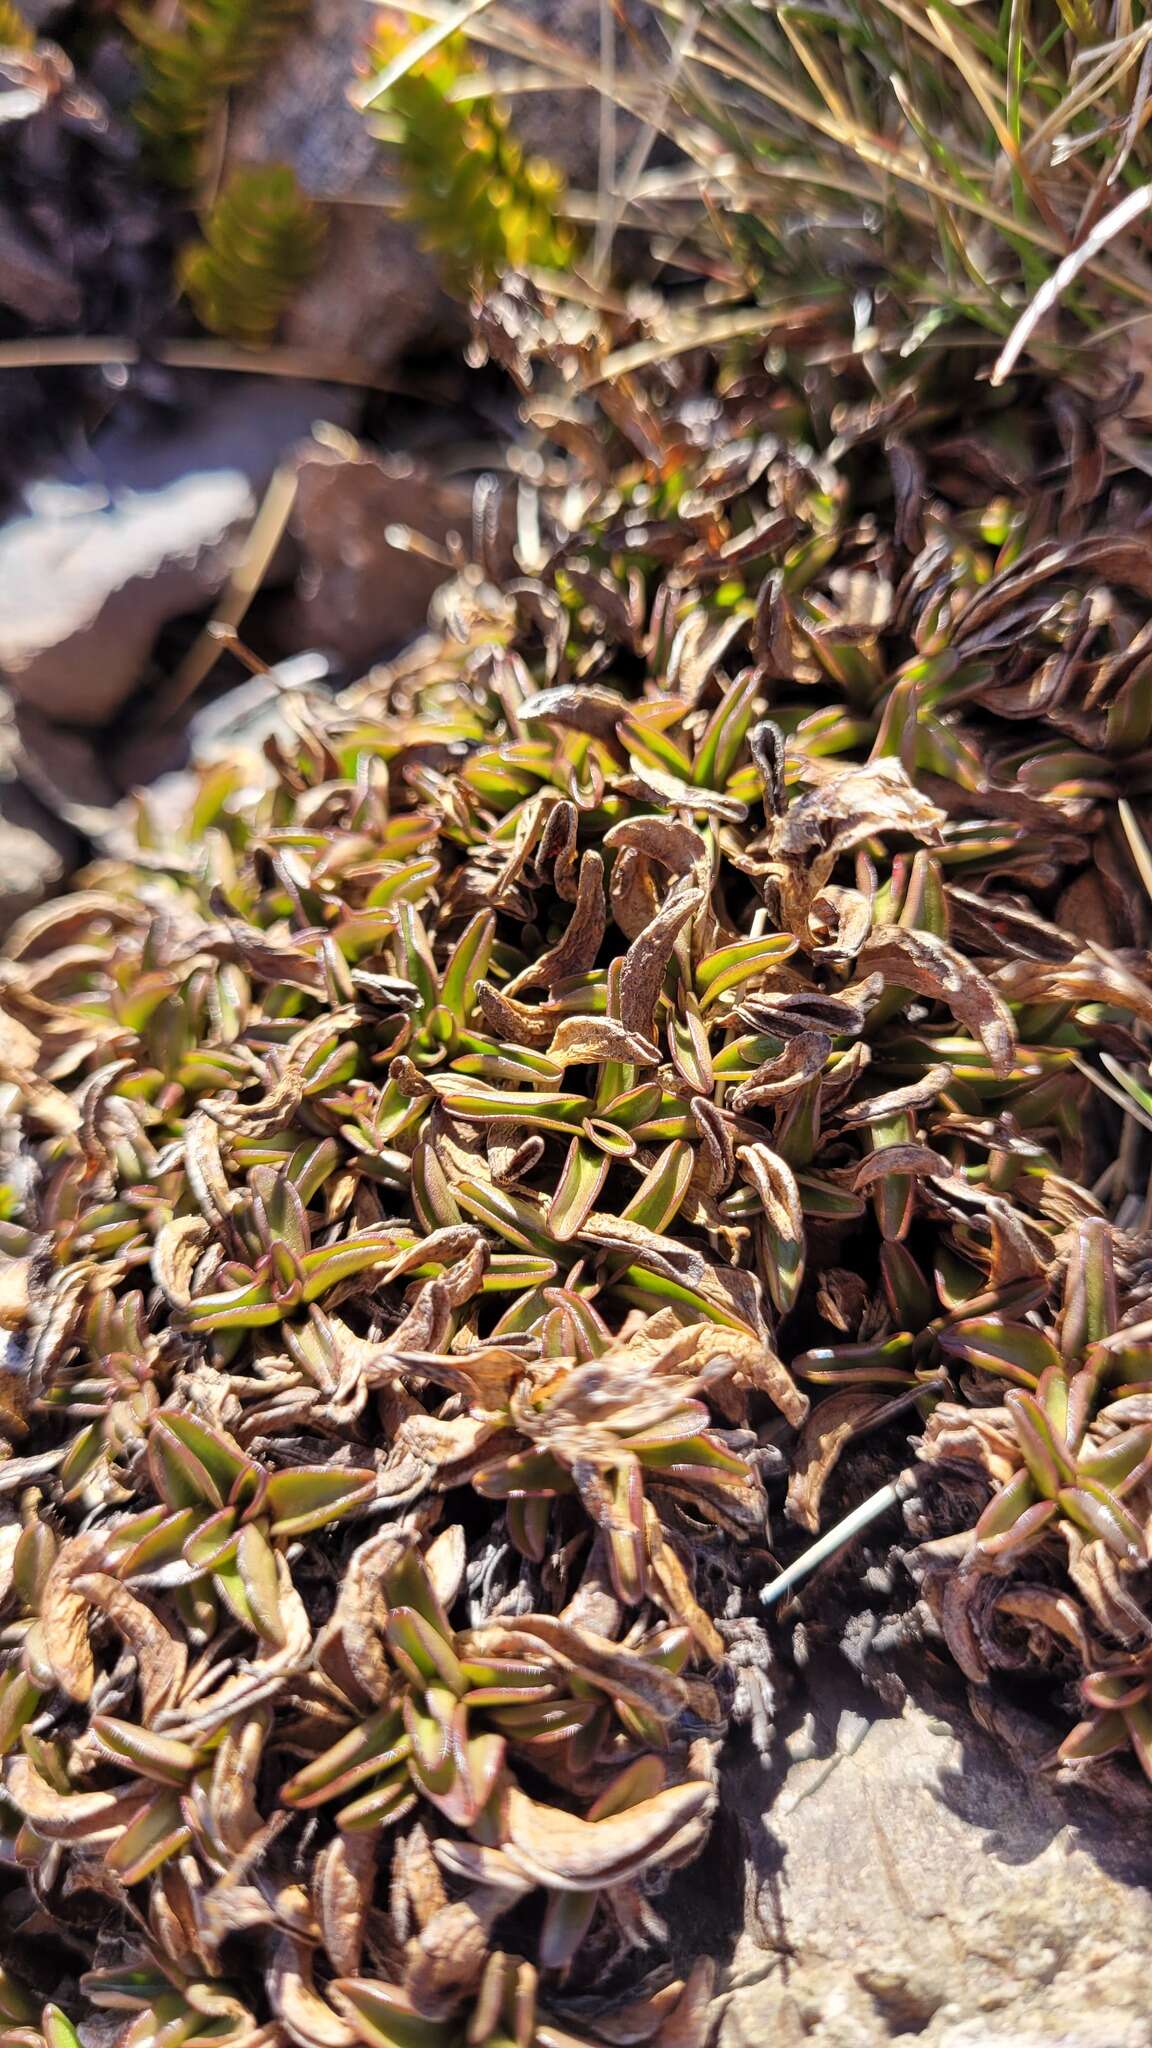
(217, 44)
(477, 202)
(260, 241)
(15, 33)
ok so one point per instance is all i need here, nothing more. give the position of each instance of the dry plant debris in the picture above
(555, 1089)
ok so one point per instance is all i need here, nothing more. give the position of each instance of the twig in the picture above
(834, 1539)
(263, 538)
(1066, 273)
(67, 351)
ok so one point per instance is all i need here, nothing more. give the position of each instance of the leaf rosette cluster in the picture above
(597, 1063)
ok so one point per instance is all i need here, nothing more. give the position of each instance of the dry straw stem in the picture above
(244, 581)
(53, 351)
(1121, 216)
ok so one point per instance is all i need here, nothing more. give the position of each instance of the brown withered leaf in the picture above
(1106, 558)
(842, 1298)
(1020, 1249)
(569, 1854)
(204, 1166)
(917, 1161)
(928, 966)
(307, 2018)
(445, 1962)
(1041, 1607)
(350, 1646)
(161, 1655)
(676, 1587)
(95, 1819)
(286, 1075)
(64, 1616)
(803, 1057)
(178, 1249)
(601, 1038)
(576, 951)
(585, 708)
(623, 1675)
(1093, 976)
(823, 1437)
(632, 893)
(847, 807)
(646, 960)
(518, 1023)
(891, 1101)
(672, 842)
(1107, 1590)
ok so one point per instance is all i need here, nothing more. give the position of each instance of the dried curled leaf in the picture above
(922, 962)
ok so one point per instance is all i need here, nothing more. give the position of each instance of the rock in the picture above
(71, 772)
(38, 13)
(31, 284)
(37, 851)
(361, 591)
(917, 1884)
(375, 294)
(98, 559)
(163, 767)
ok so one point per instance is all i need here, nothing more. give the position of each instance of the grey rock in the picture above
(99, 558)
(920, 1885)
(362, 592)
(37, 851)
(39, 13)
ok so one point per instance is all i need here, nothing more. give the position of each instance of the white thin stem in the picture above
(834, 1539)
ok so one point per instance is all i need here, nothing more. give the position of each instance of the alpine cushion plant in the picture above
(551, 1094)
